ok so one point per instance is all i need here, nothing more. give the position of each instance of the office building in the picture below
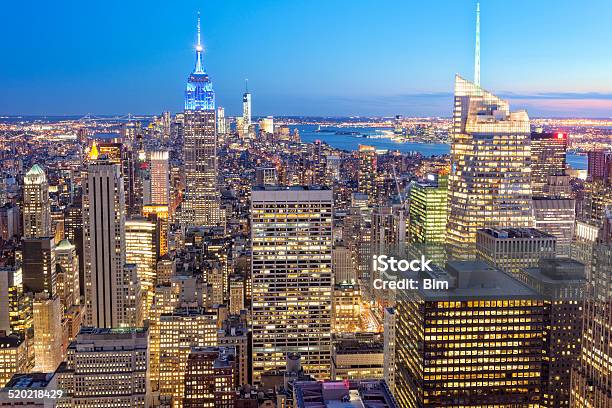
(346, 308)
(236, 294)
(592, 375)
(10, 223)
(562, 284)
(358, 357)
(234, 333)
(343, 264)
(548, 158)
(428, 210)
(18, 302)
(513, 249)
(29, 387)
(599, 166)
(557, 217)
(490, 183)
(180, 331)
(13, 356)
(291, 236)
(160, 178)
(36, 208)
(106, 368)
(266, 176)
(389, 325)
(141, 249)
(107, 279)
(160, 215)
(367, 172)
(210, 378)
(68, 287)
(39, 270)
(47, 332)
(478, 343)
(201, 205)
(246, 110)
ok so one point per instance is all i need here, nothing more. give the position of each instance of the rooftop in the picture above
(344, 394)
(30, 380)
(469, 280)
(515, 233)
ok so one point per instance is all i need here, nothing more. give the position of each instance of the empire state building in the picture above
(201, 205)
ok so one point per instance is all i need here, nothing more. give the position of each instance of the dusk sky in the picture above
(310, 57)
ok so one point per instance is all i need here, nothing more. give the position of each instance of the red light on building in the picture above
(561, 135)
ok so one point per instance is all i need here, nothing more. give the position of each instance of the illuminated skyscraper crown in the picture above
(199, 94)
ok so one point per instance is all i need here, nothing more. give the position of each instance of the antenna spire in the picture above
(246, 85)
(199, 43)
(199, 67)
(477, 52)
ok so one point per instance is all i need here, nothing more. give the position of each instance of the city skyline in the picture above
(294, 69)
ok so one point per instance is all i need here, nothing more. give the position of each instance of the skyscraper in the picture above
(366, 177)
(592, 377)
(47, 332)
(428, 210)
(36, 210)
(141, 248)
(548, 158)
(246, 109)
(160, 178)
(107, 281)
(201, 205)
(477, 344)
(490, 183)
(291, 277)
(39, 271)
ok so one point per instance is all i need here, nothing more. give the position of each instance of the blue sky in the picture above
(310, 57)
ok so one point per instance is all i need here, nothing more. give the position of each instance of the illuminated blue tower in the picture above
(201, 204)
(199, 94)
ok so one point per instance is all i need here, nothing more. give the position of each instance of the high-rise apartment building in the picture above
(479, 343)
(110, 287)
(291, 277)
(548, 158)
(36, 209)
(106, 368)
(489, 183)
(201, 205)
